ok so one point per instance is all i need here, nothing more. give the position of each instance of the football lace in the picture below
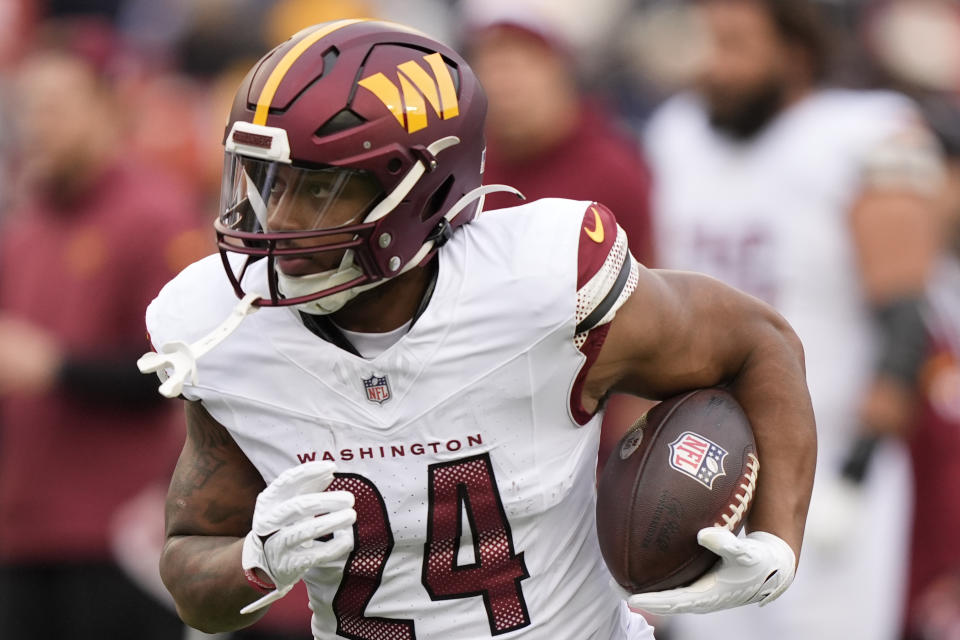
(743, 500)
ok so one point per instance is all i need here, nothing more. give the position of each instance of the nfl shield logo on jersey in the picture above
(698, 457)
(377, 388)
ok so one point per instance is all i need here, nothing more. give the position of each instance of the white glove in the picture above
(289, 515)
(757, 568)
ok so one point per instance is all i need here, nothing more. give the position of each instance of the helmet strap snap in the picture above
(441, 233)
(425, 156)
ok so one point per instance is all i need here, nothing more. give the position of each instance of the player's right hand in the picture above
(290, 515)
(753, 569)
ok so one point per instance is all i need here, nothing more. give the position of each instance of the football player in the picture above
(409, 421)
(820, 202)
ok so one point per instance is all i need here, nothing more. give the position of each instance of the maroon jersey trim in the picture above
(591, 348)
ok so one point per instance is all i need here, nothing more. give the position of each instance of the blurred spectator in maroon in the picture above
(933, 596)
(547, 139)
(93, 236)
(175, 128)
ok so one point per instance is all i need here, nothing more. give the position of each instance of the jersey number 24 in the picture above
(465, 485)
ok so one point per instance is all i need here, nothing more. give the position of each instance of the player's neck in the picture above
(388, 306)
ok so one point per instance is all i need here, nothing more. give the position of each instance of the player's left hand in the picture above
(757, 568)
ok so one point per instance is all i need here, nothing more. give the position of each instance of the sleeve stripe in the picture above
(608, 301)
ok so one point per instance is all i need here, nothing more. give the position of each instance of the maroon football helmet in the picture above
(352, 152)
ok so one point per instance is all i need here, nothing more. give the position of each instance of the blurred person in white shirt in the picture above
(820, 202)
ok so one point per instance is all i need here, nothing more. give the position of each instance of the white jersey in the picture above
(474, 476)
(771, 217)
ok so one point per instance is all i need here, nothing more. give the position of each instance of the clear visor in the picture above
(262, 196)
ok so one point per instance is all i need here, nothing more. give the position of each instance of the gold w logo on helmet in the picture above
(408, 102)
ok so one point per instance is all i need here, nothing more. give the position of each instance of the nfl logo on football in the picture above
(377, 389)
(700, 458)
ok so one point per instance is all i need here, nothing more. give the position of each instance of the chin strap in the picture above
(461, 204)
(479, 192)
(176, 361)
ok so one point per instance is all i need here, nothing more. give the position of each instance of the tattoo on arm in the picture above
(209, 455)
(214, 486)
(209, 511)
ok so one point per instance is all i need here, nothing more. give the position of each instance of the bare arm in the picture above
(209, 510)
(897, 237)
(681, 331)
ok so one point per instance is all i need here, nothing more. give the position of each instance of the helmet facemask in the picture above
(313, 224)
(307, 221)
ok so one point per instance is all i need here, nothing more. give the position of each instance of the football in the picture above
(688, 463)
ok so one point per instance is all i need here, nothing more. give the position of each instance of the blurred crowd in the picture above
(810, 156)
